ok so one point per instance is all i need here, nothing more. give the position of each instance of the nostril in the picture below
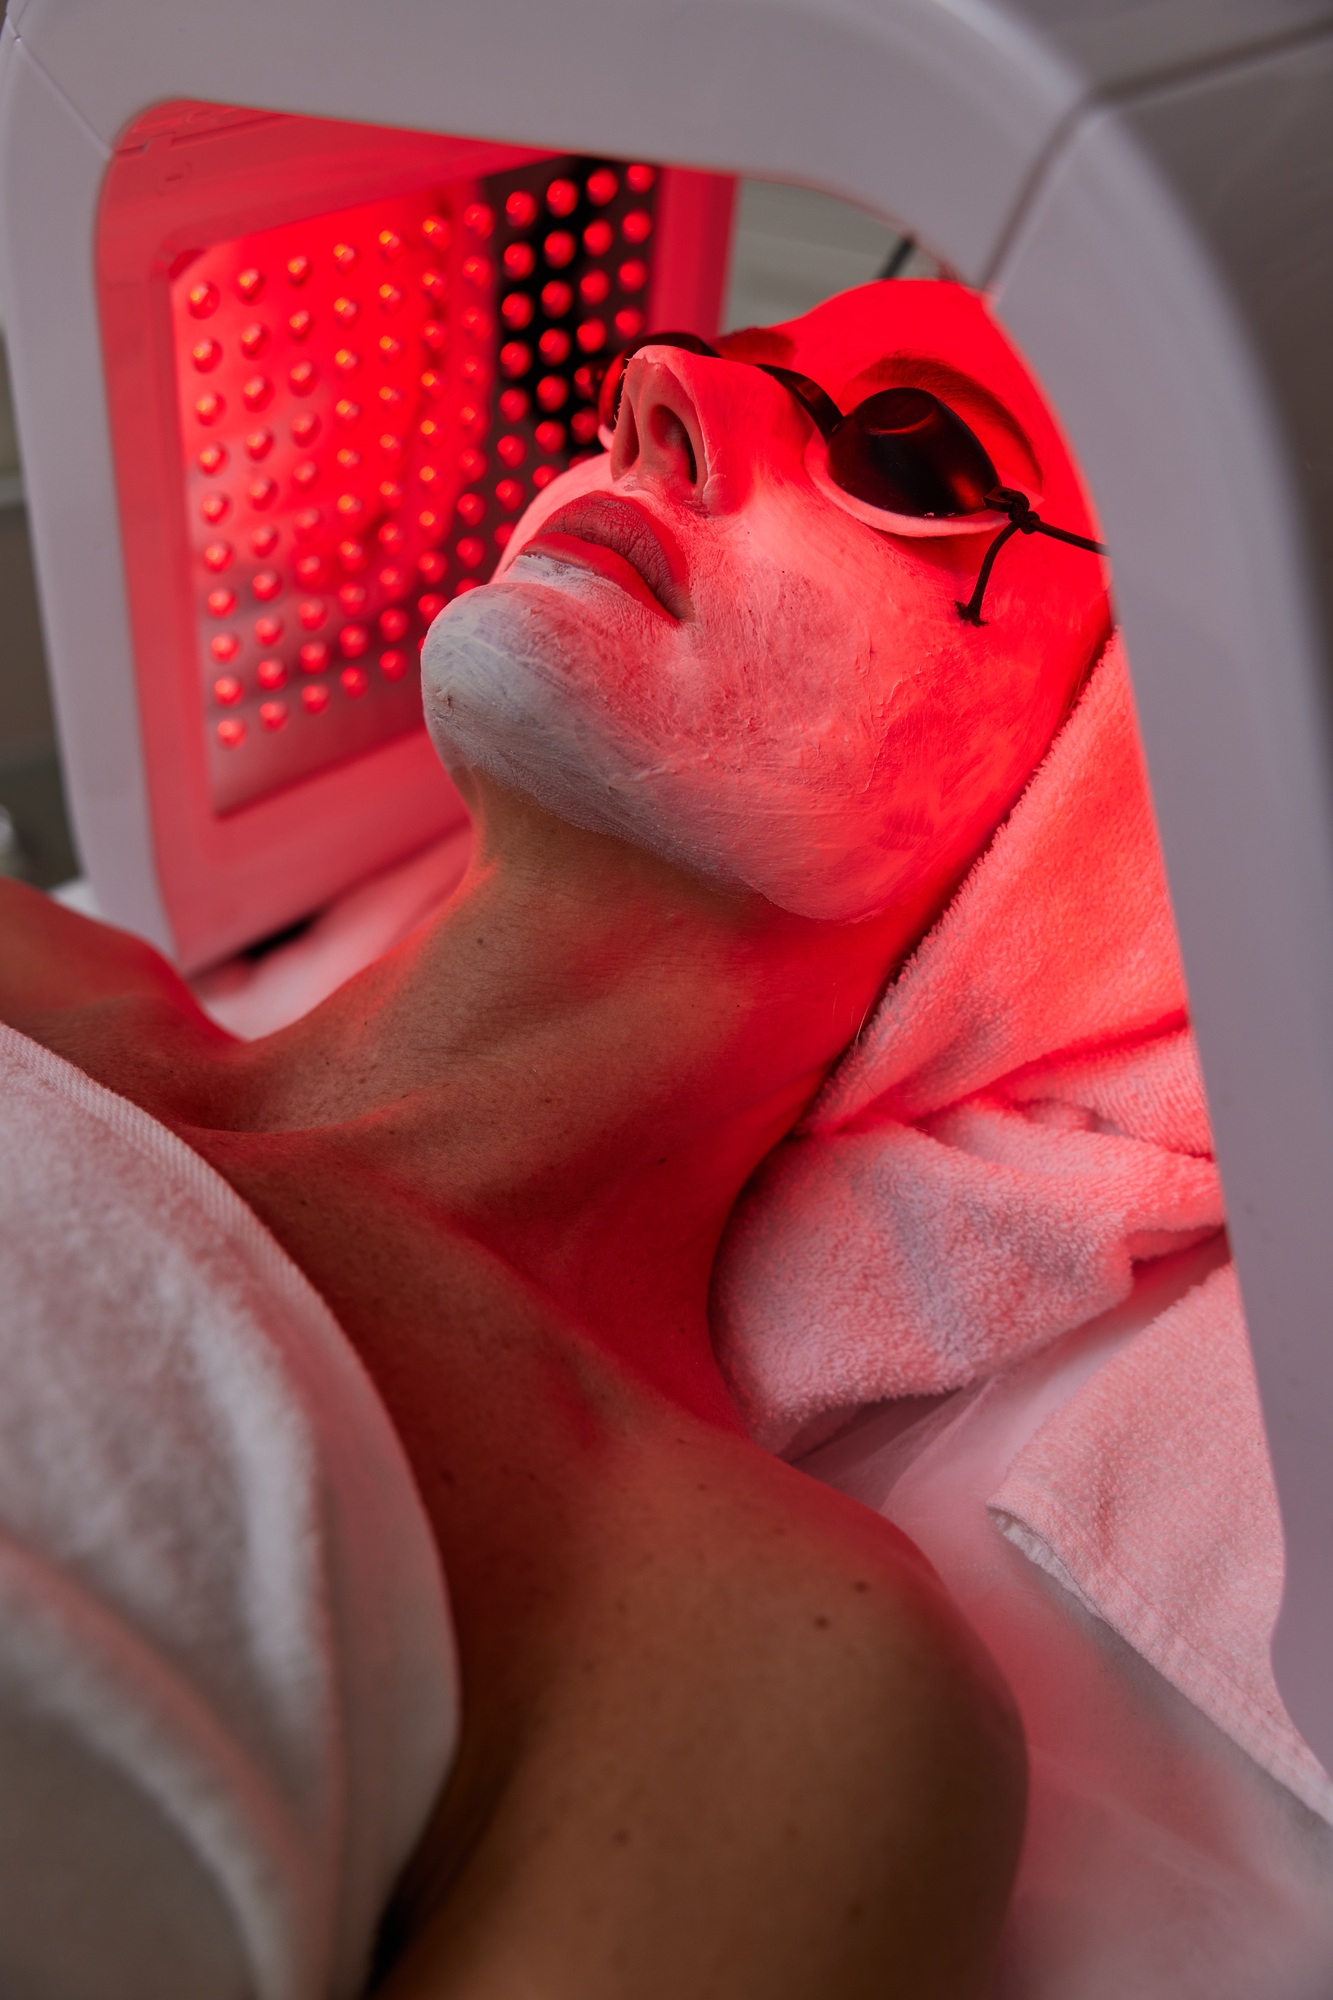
(626, 441)
(670, 433)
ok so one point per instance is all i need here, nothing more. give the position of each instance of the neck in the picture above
(581, 1062)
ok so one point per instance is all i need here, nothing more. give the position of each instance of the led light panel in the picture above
(367, 399)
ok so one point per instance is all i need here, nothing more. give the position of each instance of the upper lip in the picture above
(628, 530)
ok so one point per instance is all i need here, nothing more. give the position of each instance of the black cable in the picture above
(898, 256)
(1023, 520)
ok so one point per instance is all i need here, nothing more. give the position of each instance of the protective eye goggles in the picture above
(902, 461)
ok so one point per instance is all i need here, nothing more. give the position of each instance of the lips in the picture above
(619, 540)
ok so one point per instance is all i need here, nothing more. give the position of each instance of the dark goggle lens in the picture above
(906, 451)
(613, 378)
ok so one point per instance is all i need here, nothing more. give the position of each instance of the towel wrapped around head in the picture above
(1020, 1123)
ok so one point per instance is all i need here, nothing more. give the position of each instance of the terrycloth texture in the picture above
(1022, 1117)
(1169, 1437)
(228, 1693)
(1022, 1122)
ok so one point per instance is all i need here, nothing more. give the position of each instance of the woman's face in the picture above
(691, 644)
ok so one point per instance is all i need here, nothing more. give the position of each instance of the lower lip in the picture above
(599, 561)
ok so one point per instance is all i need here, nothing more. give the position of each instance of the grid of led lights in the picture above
(367, 401)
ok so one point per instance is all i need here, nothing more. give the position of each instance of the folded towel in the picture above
(228, 1694)
(1167, 1525)
(1019, 1124)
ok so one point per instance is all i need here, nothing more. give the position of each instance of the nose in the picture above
(659, 434)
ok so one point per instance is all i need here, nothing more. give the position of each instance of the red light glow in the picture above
(375, 333)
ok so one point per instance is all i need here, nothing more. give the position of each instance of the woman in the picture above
(731, 730)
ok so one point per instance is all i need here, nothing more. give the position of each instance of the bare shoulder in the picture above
(774, 1762)
(102, 998)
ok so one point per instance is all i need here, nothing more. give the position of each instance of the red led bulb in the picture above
(471, 507)
(212, 458)
(271, 674)
(266, 585)
(598, 237)
(273, 714)
(268, 631)
(516, 310)
(206, 355)
(633, 275)
(511, 450)
(637, 226)
(554, 346)
(303, 377)
(478, 219)
(313, 656)
(521, 208)
(559, 249)
(602, 185)
(519, 260)
(594, 286)
(550, 436)
(552, 392)
(220, 602)
(217, 555)
(215, 507)
(436, 232)
(202, 300)
(210, 409)
(254, 338)
(640, 178)
(393, 665)
(231, 732)
(562, 197)
(227, 689)
(224, 646)
(298, 269)
(557, 298)
(300, 323)
(305, 428)
(250, 283)
(314, 699)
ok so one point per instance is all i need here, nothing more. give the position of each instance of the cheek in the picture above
(784, 643)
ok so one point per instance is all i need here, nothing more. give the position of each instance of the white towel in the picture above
(228, 1694)
(1020, 1125)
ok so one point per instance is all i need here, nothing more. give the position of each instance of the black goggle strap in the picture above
(1023, 520)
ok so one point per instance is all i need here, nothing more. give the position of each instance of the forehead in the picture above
(928, 334)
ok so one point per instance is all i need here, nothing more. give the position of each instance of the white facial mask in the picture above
(818, 726)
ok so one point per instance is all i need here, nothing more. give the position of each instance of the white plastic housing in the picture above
(1147, 190)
